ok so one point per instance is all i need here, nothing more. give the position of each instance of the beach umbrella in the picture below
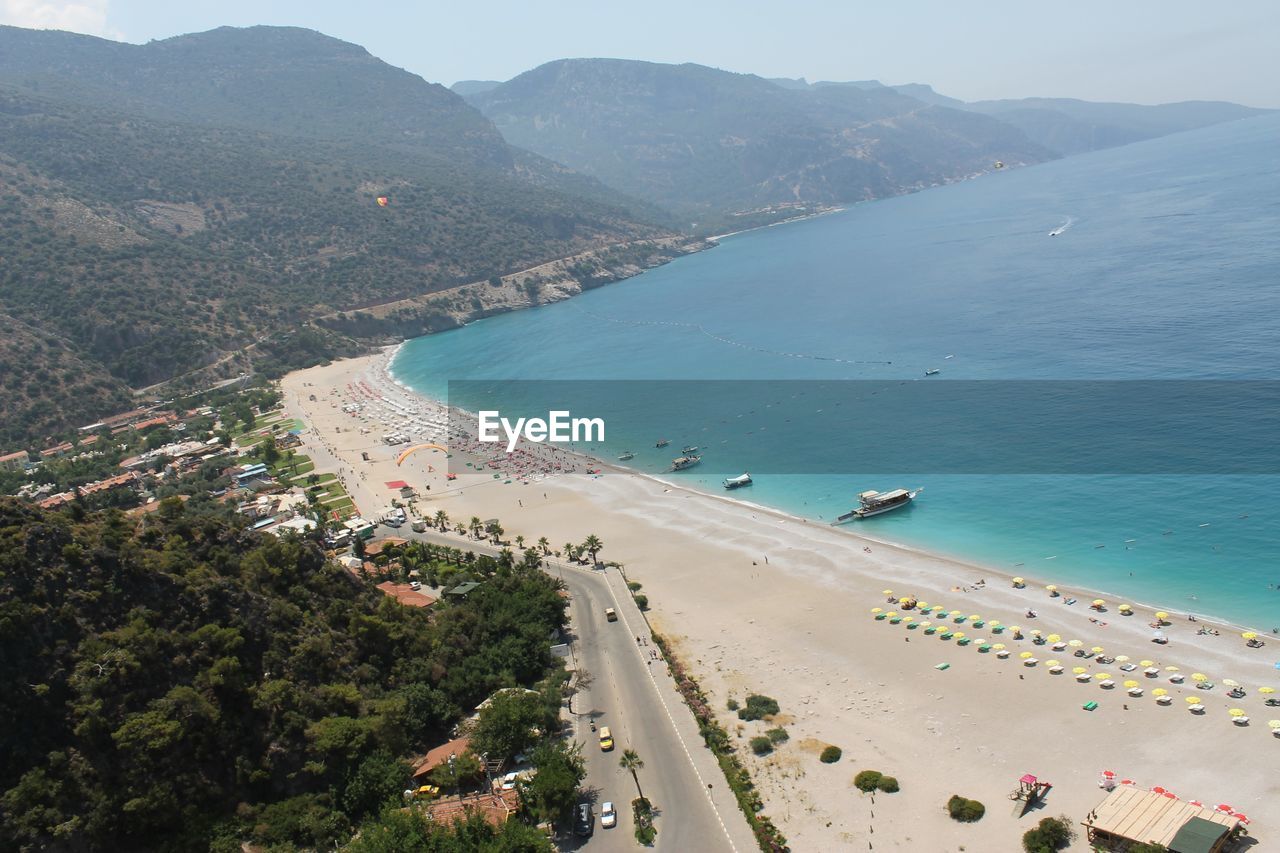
(1036, 632)
(1018, 581)
(1017, 629)
(905, 600)
(938, 608)
(1275, 724)
(1240, 817)
(1075, 644)
(1054, 638)
(1052, 663)
(959, 635)
(1195, 803)
(1266, 690)
(1102, 676)
(1161, 615)
(1159, 691)
(1097, 650)
(1223, 807)
(922, 605)
(1170, 669)
(1025, 655)
(1250, 635)
(1079, 670)
(1193, 700)
(1122, 658)
(1199, 676)
(1130, 683)
(1052, 587)
(974, 617)
(1098, 602)
(1227, 682)
(1146, 663)
(925, 623)
(1124, 608)
(998, 647)
(1108, 774)
(887, 592)
(1236, 712)
(877, 610)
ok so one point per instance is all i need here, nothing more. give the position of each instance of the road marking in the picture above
(653, 681)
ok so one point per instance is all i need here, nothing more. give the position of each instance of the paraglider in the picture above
(405, 454)
(383, 201)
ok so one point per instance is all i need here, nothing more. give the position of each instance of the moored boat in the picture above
(682, 462)
(663, 442)
(738, 482)
(875, 503)
(626, 456)
(690, 450)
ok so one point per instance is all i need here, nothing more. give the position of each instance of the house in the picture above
(298, 524)
(438, 756)
(16, 461)
(1132, 815)
(249, 474)
(462, 590)
(405, 594)
(106, 485)
(67, 447)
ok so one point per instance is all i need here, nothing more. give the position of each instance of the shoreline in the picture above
(759, 600)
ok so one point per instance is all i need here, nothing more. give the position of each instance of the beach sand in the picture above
(758, 601)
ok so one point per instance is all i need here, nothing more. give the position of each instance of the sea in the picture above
(1163, 265)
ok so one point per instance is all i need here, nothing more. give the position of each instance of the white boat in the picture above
(933, 371)
(738, 482)
(690, 450)
(680, 463)
(626, 456)
(876, 503)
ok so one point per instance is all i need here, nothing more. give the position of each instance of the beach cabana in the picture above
(1131, 815)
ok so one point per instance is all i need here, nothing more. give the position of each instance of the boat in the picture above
(679, 464)
(875, 503)
(663, 442)
(933, 371)
(690, 450)
(738, 482)
(626, 456)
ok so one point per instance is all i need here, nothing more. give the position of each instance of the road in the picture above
(636, 697)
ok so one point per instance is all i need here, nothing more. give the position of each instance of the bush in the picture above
(761, 745)
(758, 707)
(888, 784)
(1049, 836)
(732, 704)
(634, 586)
(830, 755)
(642, 811)
(867, 780)
(778, 735)
(642, 601)
(964, 810)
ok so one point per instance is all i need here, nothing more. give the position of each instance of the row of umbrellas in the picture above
(1225, 808)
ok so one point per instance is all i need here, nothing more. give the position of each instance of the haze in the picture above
(1144, 52)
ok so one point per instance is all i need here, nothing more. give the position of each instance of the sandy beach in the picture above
(758, 601)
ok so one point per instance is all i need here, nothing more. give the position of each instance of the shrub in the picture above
(732, 704)
(778, 735)
(830, 755)
(761, 745)
(1049, 836)
(888, 784)
(867, 780)
(758, 707)
(642, 601)
(634, 586)
(964, 810)
(642, 811)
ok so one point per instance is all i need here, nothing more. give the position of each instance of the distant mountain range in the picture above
(710, 143)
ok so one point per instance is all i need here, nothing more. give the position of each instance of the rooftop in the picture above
(1140, 815)
(406, 594)
(440, 755)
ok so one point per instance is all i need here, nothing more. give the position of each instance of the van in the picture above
(610, 614)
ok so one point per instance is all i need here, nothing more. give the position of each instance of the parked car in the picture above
(608, 817)
(509, 781)
(583, 820)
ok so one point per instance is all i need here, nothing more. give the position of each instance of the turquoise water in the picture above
(1168, 267)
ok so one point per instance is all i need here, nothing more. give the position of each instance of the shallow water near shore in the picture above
(1166, 266)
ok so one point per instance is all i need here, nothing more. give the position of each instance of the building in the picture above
(405, 594)
(462, 590)
(1130, 815)
(16, 461)
(438, 756)
(496, 807)
(250, 474)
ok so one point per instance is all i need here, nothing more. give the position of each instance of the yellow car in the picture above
(606, 739)
(428, 791)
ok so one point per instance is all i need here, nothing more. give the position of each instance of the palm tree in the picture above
(568, 551)
(631, 761)
(442, 520)
(592, 546)
(520, 542)
(475, 524)
(544, 545)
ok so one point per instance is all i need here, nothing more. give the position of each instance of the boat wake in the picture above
(1063, 227)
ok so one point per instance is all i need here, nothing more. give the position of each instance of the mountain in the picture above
(197, 201)
(1070, 126)
(467, 88)
(707, 143)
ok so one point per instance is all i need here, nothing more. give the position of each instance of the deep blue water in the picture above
(1169, 267)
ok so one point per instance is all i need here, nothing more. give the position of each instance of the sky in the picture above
(1145, 51)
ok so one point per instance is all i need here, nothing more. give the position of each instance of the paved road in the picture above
(636, 697)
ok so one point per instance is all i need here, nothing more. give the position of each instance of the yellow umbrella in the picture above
(1054, 638)
(1170, 669)
(974, 617)
(1131, 683)
(925, 624)
(959, 635)
(1275, 724)
(994, 623)
(1097, 650)
(1025, 655)
(1199, 676)
(1017, 581)
(954, 613)
(1075, 644)
(1036, 632)
(906, 599)
(1079, 670)
(1227, 682)
(1236, 712)
(1102, 676)
(1052, 587)
(922, 605)
(1052, 663)
(1159, 691)
(1122, 658)
(1146, 663)
(1193, 700)
(1015, 628)
(998, 646)
(1250, 635)
(877, 610)
(1126, 607)
(1098, 602)
(1161, 615)
(887, 592)
(1266, 690)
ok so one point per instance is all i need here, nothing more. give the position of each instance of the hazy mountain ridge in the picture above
(708, 142)
(143, 240)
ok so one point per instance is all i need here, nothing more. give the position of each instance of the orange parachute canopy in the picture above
(383, 201)
(405, 454)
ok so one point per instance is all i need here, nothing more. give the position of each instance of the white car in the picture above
(509, 781)
(608, 817)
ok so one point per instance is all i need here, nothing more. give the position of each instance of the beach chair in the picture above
(1089, 706)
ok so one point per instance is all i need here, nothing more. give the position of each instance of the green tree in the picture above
(631, 762)
(553, 790)
(378, 780)
(512, 721)
(592, 545)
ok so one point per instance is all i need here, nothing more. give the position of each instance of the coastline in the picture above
(755, 600)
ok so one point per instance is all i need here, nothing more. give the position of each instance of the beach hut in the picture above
(1130, 815)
